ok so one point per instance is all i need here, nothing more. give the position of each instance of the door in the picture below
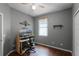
(76, 34)
(0, 35)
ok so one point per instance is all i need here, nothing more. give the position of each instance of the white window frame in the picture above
(45, 18)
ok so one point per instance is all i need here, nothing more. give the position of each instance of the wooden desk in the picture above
(19, 43)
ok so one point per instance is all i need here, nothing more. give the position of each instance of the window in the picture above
(43, 27)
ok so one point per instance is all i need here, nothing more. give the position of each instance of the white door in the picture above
(76, 34)
(0, 35)
(0, 48)
(0, 28)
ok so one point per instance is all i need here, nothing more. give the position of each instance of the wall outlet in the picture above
(61, 44)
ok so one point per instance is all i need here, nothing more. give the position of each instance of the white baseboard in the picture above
(10, 52)
(54, 47)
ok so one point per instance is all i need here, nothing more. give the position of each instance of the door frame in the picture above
(76, 12)
(2, 31)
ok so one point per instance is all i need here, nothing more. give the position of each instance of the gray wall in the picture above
(5, 10)
(16, 18)
(11, 25)
(58, 38)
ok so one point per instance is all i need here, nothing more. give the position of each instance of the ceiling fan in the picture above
(34, 5)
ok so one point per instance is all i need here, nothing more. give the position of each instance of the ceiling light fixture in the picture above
(34, 7)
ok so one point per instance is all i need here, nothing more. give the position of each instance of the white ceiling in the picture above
(48, 8)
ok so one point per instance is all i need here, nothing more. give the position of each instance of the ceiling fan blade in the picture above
(41, 6)
(24, 3)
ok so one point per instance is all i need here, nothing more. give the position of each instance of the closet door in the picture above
(76, 34)
(1, 48)
(0, 28)
(0, 35)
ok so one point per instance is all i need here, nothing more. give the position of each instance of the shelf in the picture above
(20, 41)
(24, 40)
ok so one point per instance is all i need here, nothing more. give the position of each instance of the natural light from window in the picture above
(43, 27)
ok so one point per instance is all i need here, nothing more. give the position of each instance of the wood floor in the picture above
(43, 51)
